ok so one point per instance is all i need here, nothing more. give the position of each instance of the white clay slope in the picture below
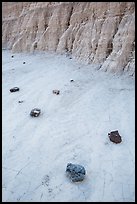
(73, 127)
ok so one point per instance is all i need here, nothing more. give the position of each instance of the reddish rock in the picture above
(115, 137)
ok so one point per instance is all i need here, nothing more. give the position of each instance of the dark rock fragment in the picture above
(35, 112)
(14, 89)
(75, 172)
(57, 92)
(115, 137)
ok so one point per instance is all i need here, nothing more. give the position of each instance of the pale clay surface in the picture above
(73, 128)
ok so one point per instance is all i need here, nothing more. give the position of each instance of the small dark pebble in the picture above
(20, 101)
(71, 80)
(12, 56)
(57, 92)
(14, 89)
(24, 62)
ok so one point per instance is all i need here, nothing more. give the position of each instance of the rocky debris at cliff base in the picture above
(35, 112)
(14, 89)
(75, 172)
(115, 137)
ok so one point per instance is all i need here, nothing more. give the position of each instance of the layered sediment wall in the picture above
(101, 33)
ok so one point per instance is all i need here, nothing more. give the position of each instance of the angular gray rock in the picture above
(75, 172)
(35, 112)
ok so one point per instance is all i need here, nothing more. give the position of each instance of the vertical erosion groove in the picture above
(71, 11)
(109, 48)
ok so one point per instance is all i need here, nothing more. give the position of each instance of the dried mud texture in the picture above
(101, 33)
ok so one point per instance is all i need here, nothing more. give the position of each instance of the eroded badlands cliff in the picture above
(102, 33)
